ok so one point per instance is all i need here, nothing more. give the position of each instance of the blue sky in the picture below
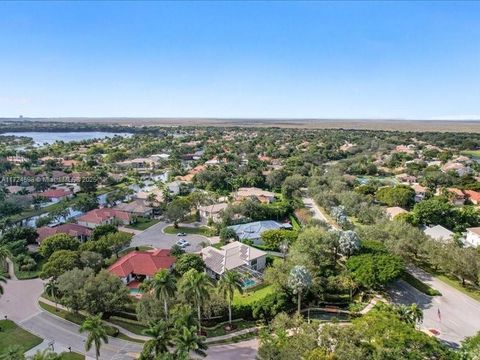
(240, 59)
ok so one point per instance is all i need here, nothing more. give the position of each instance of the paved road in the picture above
(19, 300)
(316, 212)
(240, 351)
(459, 314)
(156, 238)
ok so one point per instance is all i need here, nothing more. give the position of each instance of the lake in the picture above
(40, 138)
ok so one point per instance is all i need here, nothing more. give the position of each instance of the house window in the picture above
(253, 263)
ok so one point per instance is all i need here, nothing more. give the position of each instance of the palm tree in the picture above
(97, 333)
(187, 340)
(51, 289)
(195, 286)
(162, 335)
(46, 354)
(4, 253)
(410, 314)
(13, 352)
(164, 285)
(299, 280)
(227, 286)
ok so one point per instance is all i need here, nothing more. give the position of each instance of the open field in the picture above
(357, 124)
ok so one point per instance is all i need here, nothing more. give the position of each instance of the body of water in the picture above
(41, 138)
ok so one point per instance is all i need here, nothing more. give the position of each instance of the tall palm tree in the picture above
(410, 314)
(164, 285)
(13, 352)
(187, 340)
(97, 333)
(227, 285)
(4, 253)
(51, 289)
(196, 286)
(162, 336)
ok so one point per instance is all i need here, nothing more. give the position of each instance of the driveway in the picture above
(459, 314)
(19, 300)
(156, 238)
(316, 212)
(239, 351)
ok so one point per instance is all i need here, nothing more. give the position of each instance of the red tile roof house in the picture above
(104, 216)
(473, 196)
(140, 265)
(56, 194)
(79, 232)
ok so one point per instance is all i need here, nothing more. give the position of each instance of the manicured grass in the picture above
(11, 335)
(79, 318)
(219, 329)
(143, 223)
(419, 285)
(475, 153)
(467, 290)
(72, 356)
(250, 297)
(135, 328)
(187, 230)
(235, 339)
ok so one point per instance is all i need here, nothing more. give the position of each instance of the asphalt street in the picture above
(156, 238)
(454, 315)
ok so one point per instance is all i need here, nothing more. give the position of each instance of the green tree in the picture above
(60, 262)
(400, 195)
(375, 270)
(164, 285)
(85, 202)
(102, 230)
(51, 288)
(97, 333)
(188, 341)
(161, 335)
(299, 280)
(70, 285)
(57, 242)
(13, 352)
(189, 261)
(195, 287)
(177, 210)
(227, 234)
(227, 285)
(274, 238)
(104, 293)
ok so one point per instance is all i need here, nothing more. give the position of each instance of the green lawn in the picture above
(475, 153)
(219, 330)
(250, 297)
(11, 334)
(135, 328)
(419, 285)
(187, 230)
(143, 223)
(468, 290)
(71, 356)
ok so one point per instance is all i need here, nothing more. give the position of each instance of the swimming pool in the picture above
(134, 291)
(246, 283)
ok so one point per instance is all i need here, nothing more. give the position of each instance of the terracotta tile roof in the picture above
(145, 263)
(55, 193)
(97, 216)
(473, 195)
(70, 229)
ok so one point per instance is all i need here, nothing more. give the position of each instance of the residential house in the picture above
(213, 212)
(456, 196)
(473, 196)
(81, 233)
(136, 208)
(253, 230)
(140, 265)
(439, 233)
(473, 237)
(394, 211)
(144, 195)
(104, 216)
(420, 192)
(17, 160)
(70, 163)
(231, 257)
(255, 193)
(56, 195)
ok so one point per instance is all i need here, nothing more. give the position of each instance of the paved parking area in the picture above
(156, 238)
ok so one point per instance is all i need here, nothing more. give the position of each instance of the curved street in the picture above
(20, 304)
